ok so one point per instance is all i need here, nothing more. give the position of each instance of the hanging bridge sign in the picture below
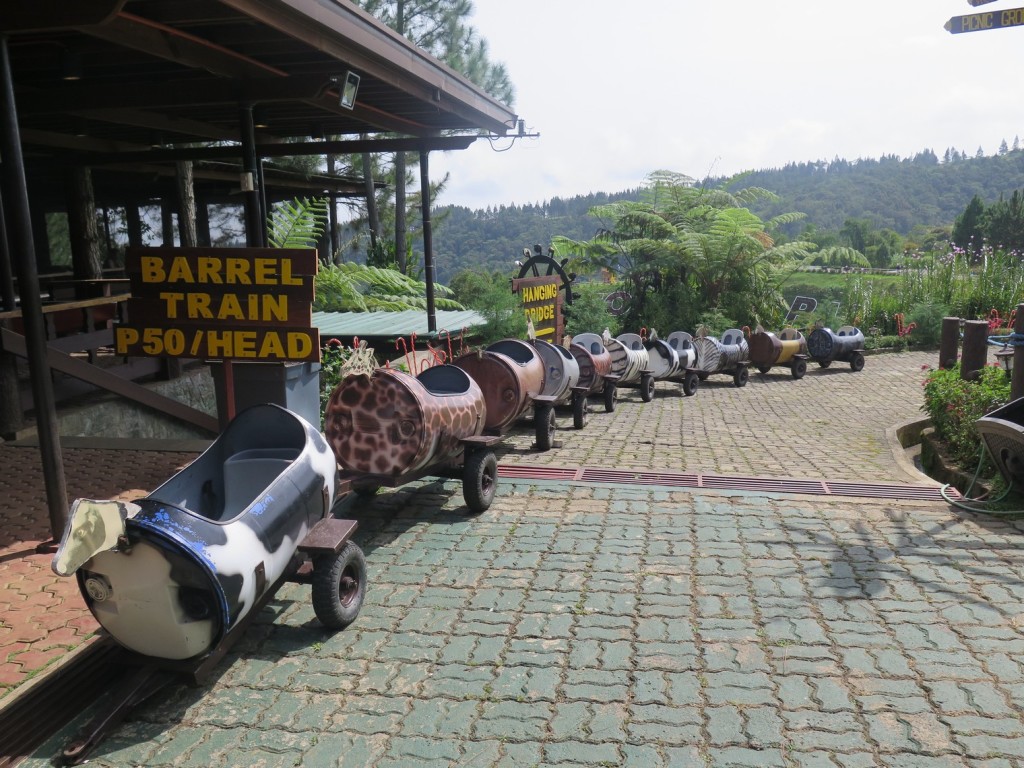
(976, 22)
(249, 304)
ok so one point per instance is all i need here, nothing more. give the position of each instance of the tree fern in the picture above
(299, 223)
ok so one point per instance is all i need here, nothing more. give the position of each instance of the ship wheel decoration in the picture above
(538, 264)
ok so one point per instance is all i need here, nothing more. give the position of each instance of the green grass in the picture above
(825, 281)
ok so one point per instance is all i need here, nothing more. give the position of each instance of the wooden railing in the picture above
(86, 326)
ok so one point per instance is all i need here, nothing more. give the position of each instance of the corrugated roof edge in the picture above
(391, 325)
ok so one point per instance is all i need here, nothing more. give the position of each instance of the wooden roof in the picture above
(158, 73)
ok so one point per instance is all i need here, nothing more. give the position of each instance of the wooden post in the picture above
(1017, 379)
(975, 351)
(950, 342)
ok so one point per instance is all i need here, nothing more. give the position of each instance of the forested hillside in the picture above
(494, 238)
(894, 193)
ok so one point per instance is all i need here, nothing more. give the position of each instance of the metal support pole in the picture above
(1017, 378)
(22, 249)
(428, 241)
(253, 222)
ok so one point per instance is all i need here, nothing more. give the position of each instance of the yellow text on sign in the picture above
(203, 306)
(205, 343)
(213, 270)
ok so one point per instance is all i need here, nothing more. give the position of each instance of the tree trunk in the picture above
(372, 215)
(186, 205)
(84, 231)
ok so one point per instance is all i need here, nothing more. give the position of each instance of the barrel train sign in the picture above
(250, 304)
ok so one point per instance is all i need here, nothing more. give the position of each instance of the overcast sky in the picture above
(619, 89)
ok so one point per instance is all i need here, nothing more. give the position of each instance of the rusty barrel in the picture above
(391, 423)
(767, 349)
(629, 357)
(682, 343)
(508, 386)
(594, 361)
(825, 345)
(561, 371)
(714, 355)
(664, 360)
(527, 358)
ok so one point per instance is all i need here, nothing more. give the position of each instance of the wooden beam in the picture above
(98, 377)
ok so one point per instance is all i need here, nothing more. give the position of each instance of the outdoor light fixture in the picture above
(348, 86)
(259, 118)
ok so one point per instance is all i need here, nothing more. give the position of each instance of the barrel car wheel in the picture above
(544, 419)
(741, 376)
(647, 389)
(764, 368)
(799, 369)
(857, 362)
(609, 397)
(824, 363)
(339, 586)
(365, 489)
(479, 480)
(579, 412)
(703, 375)
(690, 383)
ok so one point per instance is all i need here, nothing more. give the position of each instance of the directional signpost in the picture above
(975, 22)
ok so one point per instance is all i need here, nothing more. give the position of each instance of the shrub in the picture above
(893, 342)
(928, 318)
(954, 405)
(588, 312)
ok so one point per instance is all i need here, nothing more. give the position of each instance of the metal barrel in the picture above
(391, 423)
(765, 348)
(714, 355)
(682, 343)
(629, 357)
(561, 373)
(594, 361)
(1002, 433)
(504, 384)
(793, 344)
(527, 358)
(825, 345)
(664, 361)
(204, 547)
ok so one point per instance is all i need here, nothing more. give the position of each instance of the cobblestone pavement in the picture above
(829, 424)
(620, 625)
(626, 626)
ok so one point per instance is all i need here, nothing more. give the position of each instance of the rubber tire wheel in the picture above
(545, 426)
(824, 363)
(799, 369)
(691, 382)
(741, 376)
(647, 389)
(857, 362)
(703, 375)
(764, 368)
(339, 586)
(579, 411)
(479, 480)
(610, 394)
(365, 490)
